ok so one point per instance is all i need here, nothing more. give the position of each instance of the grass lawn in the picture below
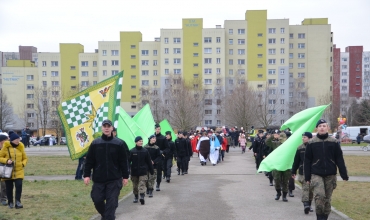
(357, 165)
(50, 165)
(352, 198)
(353, 145)
(68, 199)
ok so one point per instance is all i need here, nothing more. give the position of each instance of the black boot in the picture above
(147, 191)
(284, 197)
(136, 198)
(150, 193)
(142, 201)
(178, 172)
(278, 194)
(18, 205)
(291, 193)
(157, 187)
(326, 217)
(320, 217)
(306, 206)
(271, 184)
(10, 205)
(168, 180)
(310, 203)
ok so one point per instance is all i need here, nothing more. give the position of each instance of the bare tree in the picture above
(55, 98)
(241, 105)
(43, 106)
(152, 97)
(326, 99)
(269, 106)
(6, 111)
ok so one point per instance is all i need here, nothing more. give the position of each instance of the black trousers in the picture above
(168, 166)
(181, 163)
(160, 168)
(105, 198)
(9, 189)
(291, 184)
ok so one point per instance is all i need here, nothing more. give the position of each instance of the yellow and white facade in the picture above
(263, 52)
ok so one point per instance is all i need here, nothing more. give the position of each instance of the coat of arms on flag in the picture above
(83, 113)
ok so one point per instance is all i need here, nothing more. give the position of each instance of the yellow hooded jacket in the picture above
(19, 158)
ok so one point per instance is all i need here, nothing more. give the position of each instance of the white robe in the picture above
(214, 156)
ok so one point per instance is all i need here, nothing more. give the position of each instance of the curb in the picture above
(97, 216)
(341, 214)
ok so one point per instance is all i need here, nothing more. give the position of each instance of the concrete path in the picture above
(60, 177)
(230, 190)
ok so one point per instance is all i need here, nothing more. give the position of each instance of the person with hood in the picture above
(323, 157)
(141, 163)
(13, 152)
(203, 147)
(3, 137)
(108, 160)
(155, 156)
(242, 142)
(170, 153)
(214, 149)
(162, 143)
(281, 177)
(307, 194)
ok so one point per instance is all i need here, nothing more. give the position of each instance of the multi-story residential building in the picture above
(292, 64)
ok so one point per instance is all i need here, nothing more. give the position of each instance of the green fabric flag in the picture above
(282, 158)
(144, 120)
(127, 129)
(165, 126)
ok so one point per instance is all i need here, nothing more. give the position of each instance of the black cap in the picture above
(307, 134)
(157, 125)
(107, 122)
(321, 121)
(151, 136)
(138, 138)
(260, 131)
(168, 133)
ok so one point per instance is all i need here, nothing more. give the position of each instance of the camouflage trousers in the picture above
(139, 184)
(307, 192)
(281, 179)
(151, 179)
(322, 190)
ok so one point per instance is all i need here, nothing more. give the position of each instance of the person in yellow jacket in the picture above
(13, 153)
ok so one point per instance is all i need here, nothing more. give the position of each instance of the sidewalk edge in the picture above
(341, 214)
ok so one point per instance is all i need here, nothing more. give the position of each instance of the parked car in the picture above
(44, 141)
(32, 140)
(63, 141)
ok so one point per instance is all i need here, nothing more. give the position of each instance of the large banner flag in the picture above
(282, 158)
(83, 113)
(165, 126)
(144, 119)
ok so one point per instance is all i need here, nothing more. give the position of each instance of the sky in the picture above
(46, 23)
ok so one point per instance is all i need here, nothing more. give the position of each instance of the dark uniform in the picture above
(281, 178)
(108, 160)
(322, 157)
(169, 153)
(140, 165)
(182, 154)
(155, 156)
(162, 143)
(189, 153)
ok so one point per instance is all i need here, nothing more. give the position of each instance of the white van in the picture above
(353, 131)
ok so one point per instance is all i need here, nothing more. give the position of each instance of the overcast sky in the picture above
(46, 23)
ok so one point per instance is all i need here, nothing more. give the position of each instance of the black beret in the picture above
(321, 121)
(260, 131)
(168, 133)
(307, 134)
(157, 126)
(138, 138)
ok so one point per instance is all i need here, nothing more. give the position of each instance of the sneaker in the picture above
(4, 203)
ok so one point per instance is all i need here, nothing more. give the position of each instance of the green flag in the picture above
(282, 157)
(165, 126)
(144, 120)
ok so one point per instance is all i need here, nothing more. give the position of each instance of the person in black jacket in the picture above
(155, 155)
(189, 152)
(162, 143)
(140, 164)
(307, 193)
(108, 160)
(322, 157)
(170, 153)
(182, 152)
(259, 148)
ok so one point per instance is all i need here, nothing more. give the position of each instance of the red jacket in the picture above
(224, 144)
(194, 143)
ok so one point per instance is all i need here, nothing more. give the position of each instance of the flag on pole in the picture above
(165, 126)
(281, 158)
(144, 119)
(83, 113)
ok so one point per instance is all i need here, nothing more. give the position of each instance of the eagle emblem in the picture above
(104, 91)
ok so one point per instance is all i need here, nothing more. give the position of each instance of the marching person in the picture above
(140, 165)
(170, 153)
(189, 152)
(223, 146)
(155, 156)
(3, 137)
(307, 193)
(203, 147)
(108, 160)
(281, 177)
(214, 149)
(259, 148)
(322, 157)
(162, 143)
(13, 152)
(181, 152)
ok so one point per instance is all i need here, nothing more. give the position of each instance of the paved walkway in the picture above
(230, 190)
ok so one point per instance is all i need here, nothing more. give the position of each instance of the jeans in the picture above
(9, 189)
